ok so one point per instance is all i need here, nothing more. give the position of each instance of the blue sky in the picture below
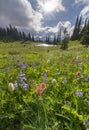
(42, 16)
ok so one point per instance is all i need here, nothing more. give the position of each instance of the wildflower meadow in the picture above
(44, 88)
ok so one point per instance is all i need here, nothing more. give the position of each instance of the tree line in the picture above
(12, 34)
(80, 32)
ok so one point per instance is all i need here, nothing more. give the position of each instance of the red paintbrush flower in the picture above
(43, 86)
(78, 73)
(40, 90)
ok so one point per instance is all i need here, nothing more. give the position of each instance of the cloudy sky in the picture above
(42, 15)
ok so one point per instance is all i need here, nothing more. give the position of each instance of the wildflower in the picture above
(43, 85)
(24, 66)
(45, 74)
(54, 81)
(15, 85)
(79, 94)
(40, 90)
(22, 77)
(45, 77)
(78, 73)
(25, 86)
(11, 87)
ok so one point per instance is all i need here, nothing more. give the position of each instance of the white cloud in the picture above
(81, 1)
(56, 5)
(20, 13)
(85, 12)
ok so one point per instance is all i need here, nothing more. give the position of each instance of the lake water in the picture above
(45, 45)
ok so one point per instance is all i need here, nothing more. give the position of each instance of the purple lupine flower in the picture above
(25, 86)
(22, 77)
(24, 66)
(16, 85)
(45, 74)
(45, 79)
(23, 81)
(79, 94)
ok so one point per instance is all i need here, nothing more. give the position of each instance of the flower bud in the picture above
(54, 81)
(11, 87)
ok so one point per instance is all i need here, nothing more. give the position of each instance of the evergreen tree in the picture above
(11, 34)
(20, 36)
(59, 36)
(23, 36)
(85, 35)
(55, 40)
(65, 41)
(32, 39)
(29, 36)
(47, 39)
(77, 29)
(83, 29)
(15, 34)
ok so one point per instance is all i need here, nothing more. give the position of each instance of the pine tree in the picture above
(85, 35)
(29, 36)
(65, 41)
(83, 29)
(47, 39)
(32, 38)
(59, 36)
(77, 29)
(55, 40)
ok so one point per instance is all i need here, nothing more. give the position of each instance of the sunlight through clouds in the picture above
(47, 6)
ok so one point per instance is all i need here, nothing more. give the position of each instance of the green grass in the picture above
(65, 103)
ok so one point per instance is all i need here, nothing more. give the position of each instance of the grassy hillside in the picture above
(44, 88)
